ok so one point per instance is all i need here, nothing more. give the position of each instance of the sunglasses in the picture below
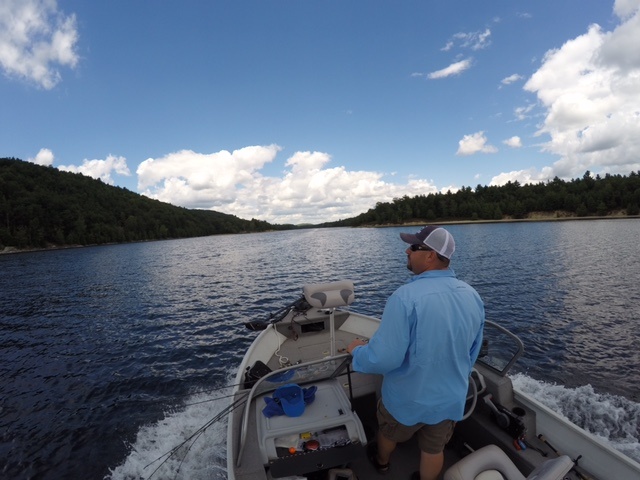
(415, 248)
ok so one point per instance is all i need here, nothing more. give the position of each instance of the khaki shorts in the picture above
(431, 438)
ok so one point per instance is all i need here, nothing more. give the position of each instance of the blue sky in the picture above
(300, 111)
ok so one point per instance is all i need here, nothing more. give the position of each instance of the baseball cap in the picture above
(436, 238)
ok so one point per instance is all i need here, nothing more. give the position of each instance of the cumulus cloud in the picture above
(474, 143)
(36, 38)
(100, 169)
(44, 157)
(453, 69)
(625, 8)
(198, 180)
(590, 90)
(309, 190)
(531, 175)
(513, 142)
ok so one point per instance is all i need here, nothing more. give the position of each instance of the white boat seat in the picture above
(329, 295)
(491, 463)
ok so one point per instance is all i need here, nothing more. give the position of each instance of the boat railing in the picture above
(501, 348)
(302, 373)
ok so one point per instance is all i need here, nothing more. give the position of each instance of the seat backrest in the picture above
(554, 469)
(329, 295)
(482, 460)
(490, 475)
(487, 461)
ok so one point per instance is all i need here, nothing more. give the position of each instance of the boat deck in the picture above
(303, 341)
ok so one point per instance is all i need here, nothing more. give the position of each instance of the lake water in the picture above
(111, 356)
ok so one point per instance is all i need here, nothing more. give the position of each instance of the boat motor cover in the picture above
(255, 373)
(329, 295)
(289, 400)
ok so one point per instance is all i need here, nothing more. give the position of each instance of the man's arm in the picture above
(387, 348)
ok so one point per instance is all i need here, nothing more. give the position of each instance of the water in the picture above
(111, 356)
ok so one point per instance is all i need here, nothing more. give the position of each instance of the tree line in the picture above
(44, 207)
(582, 197)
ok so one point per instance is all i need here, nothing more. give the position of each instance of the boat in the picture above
(299, 411)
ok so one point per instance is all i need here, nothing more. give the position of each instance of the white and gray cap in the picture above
(436, 238)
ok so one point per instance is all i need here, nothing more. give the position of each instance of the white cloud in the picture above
(625, 8)
(474, 143)
(309, 191)
(472, 40)
(35, 39)
(194, 179)
(513, 142)
(590, 90)
(101, 169)
(522, 176)
(522, 113)
(44, 157)
(511, 79)
(449, 45)
(453, 69)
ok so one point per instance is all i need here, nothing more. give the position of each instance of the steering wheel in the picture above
(472, 396)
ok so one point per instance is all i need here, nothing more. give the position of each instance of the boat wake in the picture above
(198, 458)
(611, 418)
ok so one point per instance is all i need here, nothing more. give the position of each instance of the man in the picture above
(428, 340)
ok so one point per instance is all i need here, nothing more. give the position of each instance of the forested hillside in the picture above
(44, 207)
(583, 197)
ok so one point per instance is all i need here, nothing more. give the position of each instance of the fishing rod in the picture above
(195, 436)
(181, 395)
(300, 305)
(209, 400)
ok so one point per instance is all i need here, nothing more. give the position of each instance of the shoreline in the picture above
(535, 217)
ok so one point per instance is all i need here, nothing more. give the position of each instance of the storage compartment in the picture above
(327, 434)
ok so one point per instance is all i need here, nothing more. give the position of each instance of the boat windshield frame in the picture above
(508, 345)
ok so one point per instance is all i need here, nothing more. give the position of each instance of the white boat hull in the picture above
(596, 457)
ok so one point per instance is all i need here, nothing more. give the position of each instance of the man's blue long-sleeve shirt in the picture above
(428, 340)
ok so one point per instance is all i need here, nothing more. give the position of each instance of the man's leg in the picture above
(433, 438)
(385, 448)
(430, 465)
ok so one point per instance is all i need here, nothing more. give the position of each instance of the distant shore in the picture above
(533, 217)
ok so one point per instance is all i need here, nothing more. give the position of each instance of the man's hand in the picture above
(356, 343)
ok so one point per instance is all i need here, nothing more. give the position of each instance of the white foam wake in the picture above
(614, 419)
(203, 459)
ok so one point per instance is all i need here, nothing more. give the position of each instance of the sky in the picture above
(306, 111)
